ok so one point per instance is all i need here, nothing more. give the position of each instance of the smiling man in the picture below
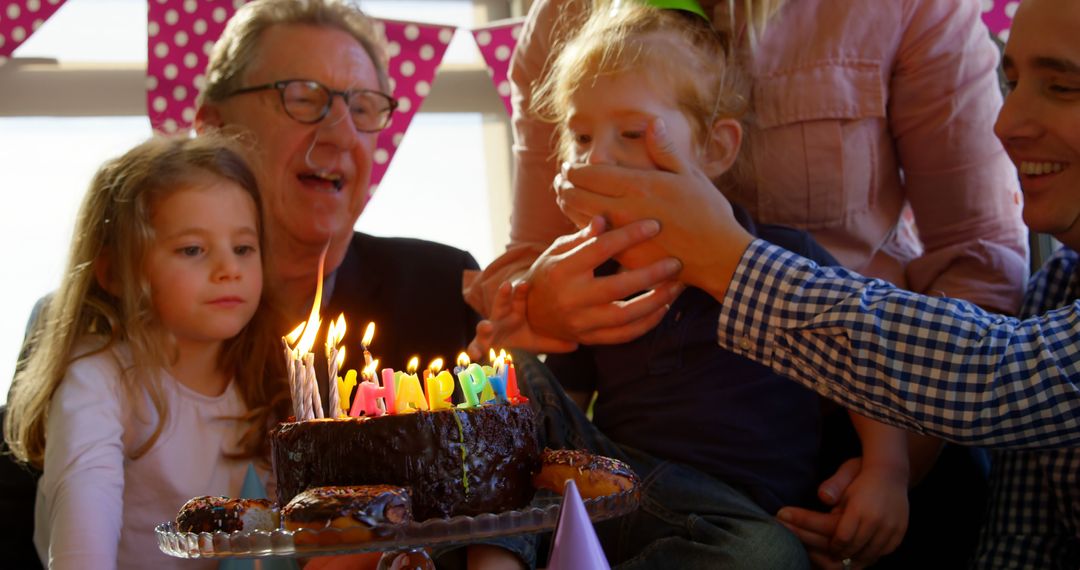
(306, 84)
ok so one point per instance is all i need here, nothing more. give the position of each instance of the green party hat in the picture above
(692, 6)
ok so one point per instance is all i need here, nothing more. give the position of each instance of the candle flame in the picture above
(338, 328)
(295, 334)
(341, 358)
(335, 334)
(491, 355)
(499, 361)
(463, 360)
(369, 333)
(369, 370)
(503, 355)
(311, 328)
(435, 366)
(414, 363)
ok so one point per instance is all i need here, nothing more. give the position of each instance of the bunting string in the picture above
(181, 35)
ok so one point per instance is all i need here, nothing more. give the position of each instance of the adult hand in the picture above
(875, 513)
(816, 529)
(697, 223)
(567, 301)
(868, 519)
(508, 327)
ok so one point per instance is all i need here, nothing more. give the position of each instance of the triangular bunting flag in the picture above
(21, 18)
(496, 42)
(416, 51)
(575, 545)
(181, 34)
(179, 37)
(998, 16)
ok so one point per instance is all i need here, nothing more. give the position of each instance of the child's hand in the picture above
(873, 514)
(508, 326)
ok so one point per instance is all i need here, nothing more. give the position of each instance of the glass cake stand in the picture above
(396, 541)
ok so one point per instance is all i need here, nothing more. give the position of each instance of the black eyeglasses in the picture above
(309, 102)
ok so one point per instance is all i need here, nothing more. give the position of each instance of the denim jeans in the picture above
(687, 519)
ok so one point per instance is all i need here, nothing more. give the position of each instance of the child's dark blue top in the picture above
(675, 394)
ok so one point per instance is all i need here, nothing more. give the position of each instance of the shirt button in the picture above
(744, 343)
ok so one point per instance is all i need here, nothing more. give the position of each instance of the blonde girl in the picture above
(147, 381)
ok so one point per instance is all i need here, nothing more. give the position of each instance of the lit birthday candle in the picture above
(473, 381)
(462, 362)
(292, 368)
(410, 397)
(335, 357)
(365, 342)
(498, 378)
(313, 384)
(439, 385)
(380, 400)
(513, 393)
(301, 362)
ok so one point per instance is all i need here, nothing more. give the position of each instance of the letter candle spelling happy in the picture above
(440, 386)
(399, 392)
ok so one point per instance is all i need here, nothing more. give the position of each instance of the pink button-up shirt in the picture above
(863, 107)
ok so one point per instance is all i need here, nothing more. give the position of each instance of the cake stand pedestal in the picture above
(396, 542)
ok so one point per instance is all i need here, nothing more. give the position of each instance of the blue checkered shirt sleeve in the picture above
(1034, 510)
(931, 365)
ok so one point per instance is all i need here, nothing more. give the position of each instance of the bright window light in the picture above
(436, 187)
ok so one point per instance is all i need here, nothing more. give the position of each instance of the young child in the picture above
(147, 381)
(672, 396)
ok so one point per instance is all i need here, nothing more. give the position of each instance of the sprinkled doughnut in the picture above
(594, 475)
(210, 514)
(361, 512)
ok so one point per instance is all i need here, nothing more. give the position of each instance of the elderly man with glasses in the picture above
(306, 83)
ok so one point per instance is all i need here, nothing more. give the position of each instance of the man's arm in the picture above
(931, 365)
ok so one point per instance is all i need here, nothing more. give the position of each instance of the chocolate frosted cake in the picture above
(454, 462)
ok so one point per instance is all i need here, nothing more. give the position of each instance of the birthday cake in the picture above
(455, 461)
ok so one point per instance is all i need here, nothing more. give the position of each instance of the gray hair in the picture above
(237, 46)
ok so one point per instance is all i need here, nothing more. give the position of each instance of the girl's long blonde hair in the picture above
(111, 238)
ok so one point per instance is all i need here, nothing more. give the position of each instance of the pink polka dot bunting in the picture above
(415, 51)
(21, 18)
(496, 43)
(998, 16)
(180, 35)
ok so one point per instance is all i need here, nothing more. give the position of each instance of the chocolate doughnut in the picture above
(594, 475)
(361, 512)
(210, 514)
